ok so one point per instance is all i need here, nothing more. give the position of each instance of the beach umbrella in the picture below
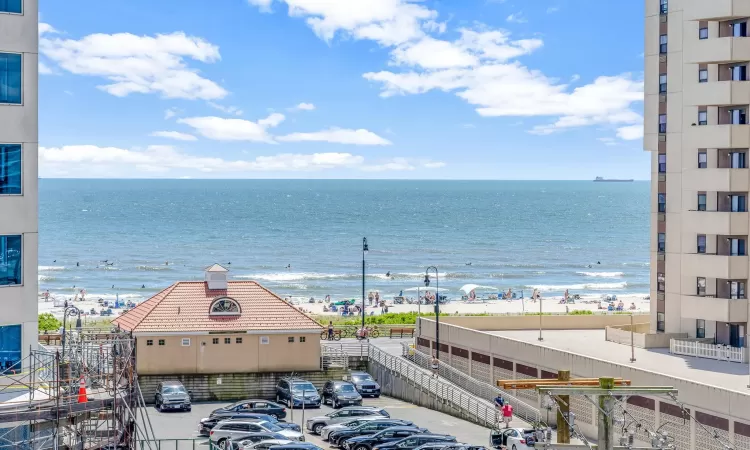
(470, 287)
(423, 288)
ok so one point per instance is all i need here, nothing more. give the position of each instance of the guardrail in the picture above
(349, 348)
(711, 351)
(176, 444)
(479, 388)
(440, 395)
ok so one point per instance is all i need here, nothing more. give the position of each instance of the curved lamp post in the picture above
(437, 305)
(70, 311)
(365, 249)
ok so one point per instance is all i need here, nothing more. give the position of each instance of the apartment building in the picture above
(19, 62)
(697, 96)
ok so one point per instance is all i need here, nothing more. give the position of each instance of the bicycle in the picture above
(335, 337)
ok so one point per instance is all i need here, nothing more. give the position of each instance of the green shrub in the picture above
(581, 312)
(48, 322)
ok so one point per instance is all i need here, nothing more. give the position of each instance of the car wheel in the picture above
(334, 404)
(222, 443)
(361, 447)
(317, 428)
(275, 416)
(514, 447)
(377, 396)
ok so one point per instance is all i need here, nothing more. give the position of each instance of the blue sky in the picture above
(470, 89)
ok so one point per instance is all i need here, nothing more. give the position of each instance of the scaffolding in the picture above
(41, 407)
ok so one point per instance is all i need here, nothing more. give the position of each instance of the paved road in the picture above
(182, 425)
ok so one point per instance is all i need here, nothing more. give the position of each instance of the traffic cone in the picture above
(82, 398)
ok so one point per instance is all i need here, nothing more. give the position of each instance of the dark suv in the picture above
(338, 437)
(367, 442)
(296, 392)
(414, 441)
(340, 393)
(365, 384)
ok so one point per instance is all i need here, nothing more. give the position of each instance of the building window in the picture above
(11, 6)
(149, 342)
(662, 123)
(701, 286)
(660, 282)
(700, 328)
(739, 73)
(10, 169)
(10, 260)
(215, 340)
(739, 203)
(739, 29)
(701, 202)
(663, 43)
(737, 247)
(10, 349)
(737, 116)
(10, 78)
(161, 342)
(702, 160)
(661, 244)
(701, 243)
(663, 8)
(227, 340)
(662, 200)
(703, 33)
(290, 339)
(703, 75)
(736, 290)
(186, 342)
(662, 162)
(702, 118)
(224, 306)
(660, 321)
(238, 341)
(663, 83)
(737, 160)
(302, 339)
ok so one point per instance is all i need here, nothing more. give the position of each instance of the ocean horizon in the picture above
(303, 238)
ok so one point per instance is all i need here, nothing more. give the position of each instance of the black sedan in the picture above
(337, 437)
(208, 423)
(254, 406)
(368, 442)
(416, 440)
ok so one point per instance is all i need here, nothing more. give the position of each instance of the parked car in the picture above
(263, 445)
(206, 424)
(294, 392)
(253, 406)
(235, 428)
(316, 424)
(368, 442)
(338, 437)
(414, 441)
(296, 446)
(513, 438)
(460, 446)
(238, 442)
(340, 393)
(171, 395)
(328, 429)
(437, 445)
(365, 384)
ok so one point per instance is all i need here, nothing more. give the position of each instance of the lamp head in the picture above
(365, 247)
(426, 280)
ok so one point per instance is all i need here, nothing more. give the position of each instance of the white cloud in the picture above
(433, 54)
(553, 9)
(468, 125)
(167, 161)
(221, 129)
(303, 107)
(171, 112)
(227, 109)
(263, 5)
(45, 28)
(516, 18)
(608, 141)
(174, 135)
(631, 132)
(337, 136)
(44, 69)
(137, 64)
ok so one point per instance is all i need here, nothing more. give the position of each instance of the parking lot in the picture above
(184, 425)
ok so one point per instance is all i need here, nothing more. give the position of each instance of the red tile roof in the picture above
(184, 307)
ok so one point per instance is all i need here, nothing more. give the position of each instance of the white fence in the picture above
(711, 351)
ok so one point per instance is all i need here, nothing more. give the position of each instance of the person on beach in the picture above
(435, 366)
(370, 297)
(330, 330)
(46, 295)
(507, 414)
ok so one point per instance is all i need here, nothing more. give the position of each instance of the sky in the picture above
(394, 89)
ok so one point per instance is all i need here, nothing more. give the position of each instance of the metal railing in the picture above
(176, 444)
(349, 348)
(479, 388)
(461, 402)
(711, 351)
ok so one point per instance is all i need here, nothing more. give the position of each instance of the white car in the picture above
(325, 431)
(233, 428)
(264, 445)
(514, 438)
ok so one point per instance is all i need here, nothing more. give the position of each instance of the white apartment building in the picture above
(19, 60)
(697, 96)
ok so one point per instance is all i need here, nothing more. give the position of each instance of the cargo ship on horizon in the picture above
(612, 180)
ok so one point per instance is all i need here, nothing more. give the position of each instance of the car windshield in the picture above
(271, 427)
(306, 387)
(361, 378)
(175, 390)
(345, 388)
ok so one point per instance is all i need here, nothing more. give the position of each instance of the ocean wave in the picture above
(153, 268)
(292, 276)
(50, 268)
(602, 274)
(281, 277)
(579, 287)
(47, 278)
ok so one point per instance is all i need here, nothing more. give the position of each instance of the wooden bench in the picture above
(402, 332)
(50, 338)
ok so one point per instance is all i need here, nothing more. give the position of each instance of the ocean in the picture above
(303, 238)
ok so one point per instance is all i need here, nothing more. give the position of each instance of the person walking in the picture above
(330, 330)
(435, 365)
(499, 402)
(507, 414)
(370, 297)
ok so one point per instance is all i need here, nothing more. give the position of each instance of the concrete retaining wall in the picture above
(642, 338)
(551, 322)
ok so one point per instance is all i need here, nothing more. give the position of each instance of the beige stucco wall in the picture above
(552, 322)
(202, 356)
(641, 336)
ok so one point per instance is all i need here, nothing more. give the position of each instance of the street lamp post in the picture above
(69, 311)
(437, 305)
(365, 249)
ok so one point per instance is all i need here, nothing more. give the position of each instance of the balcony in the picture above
(711, 308)
(719, 180)
(717, 223)
(718, 93)
(715, 9)
(718, 50)
(718, 136)
(714, 266)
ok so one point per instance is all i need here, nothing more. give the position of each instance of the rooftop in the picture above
(726, 375)
(190, 306)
